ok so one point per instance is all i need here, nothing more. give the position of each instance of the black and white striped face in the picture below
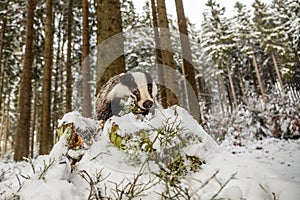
(141, 87)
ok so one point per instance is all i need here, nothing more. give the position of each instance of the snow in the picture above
(266, 169)
(282, 156)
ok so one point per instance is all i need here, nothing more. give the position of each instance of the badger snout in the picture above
(148, 104)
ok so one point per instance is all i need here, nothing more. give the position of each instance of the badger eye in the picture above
(135, 92)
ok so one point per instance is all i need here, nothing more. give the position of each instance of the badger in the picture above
(138, 85)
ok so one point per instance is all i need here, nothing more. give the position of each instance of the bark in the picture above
(158, 53)
(204, 93)
(86, 90)
(62, 77)
(2, 38)
(69, 59)
(271, 77)
(221, 92)
(188, 68)
(38, 121)
(229, 97)
(253, 76)
(231, 86)
(261, 85)
(6, 131)
(243, 90)
(24, 102)
(167, 55)
(57, 96)
(33, 130)
(46, 139)
(2, 127)
(110, 41)
(277, 71)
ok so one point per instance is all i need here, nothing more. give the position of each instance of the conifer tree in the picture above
(285, 33)
(158, 56)
(273, 37)
(69, 58)
(259, 21)
(46, 139)
(109, 24)
(243, 53)
(171, 84)
(218, 44)
(23, 129)
(86, 91)
(188, 68)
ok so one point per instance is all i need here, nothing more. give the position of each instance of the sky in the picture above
(194, 8)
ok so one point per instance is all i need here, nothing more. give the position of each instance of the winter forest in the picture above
(227, 124)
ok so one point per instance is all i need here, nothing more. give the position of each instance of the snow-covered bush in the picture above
(159, 156)
(279, 118)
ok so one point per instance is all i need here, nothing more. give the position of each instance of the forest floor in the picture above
(260, 169)
(282, 156)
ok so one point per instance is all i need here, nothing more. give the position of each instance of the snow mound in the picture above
(164, 155)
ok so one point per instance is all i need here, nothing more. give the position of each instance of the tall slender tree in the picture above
(86, 90)
(243, 46)
(109, 25)
(170, 74)
(188, 68)
(69, 58)
(2, 38)
(25, 92)
(259, 22)
(217, 44)
(46, 135)
(158, 54)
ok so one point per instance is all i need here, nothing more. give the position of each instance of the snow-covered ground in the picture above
(267, 169)
(282, 156)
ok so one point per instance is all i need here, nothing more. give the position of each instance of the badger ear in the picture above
(128, 80)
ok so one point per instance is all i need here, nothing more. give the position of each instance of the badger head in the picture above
(138, 85)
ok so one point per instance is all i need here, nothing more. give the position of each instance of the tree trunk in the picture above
(24, 102)
(172, 91)
(69, 59)
(261, 85)
(57, 96)
(46, 135)
(221, 94)
(110, 58)
(204, 94)
(62, 77)
(162, 90)
(3, 116)
(2, 38)
(86, 90)
(38, 121)
(231, 86)
(242, 85)
(271, 77)
(277, 71)
(230, 107)
(253, 76)
(4, 137)
(188, 68)
(33, 126)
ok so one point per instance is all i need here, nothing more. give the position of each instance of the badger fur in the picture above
(138, 85)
